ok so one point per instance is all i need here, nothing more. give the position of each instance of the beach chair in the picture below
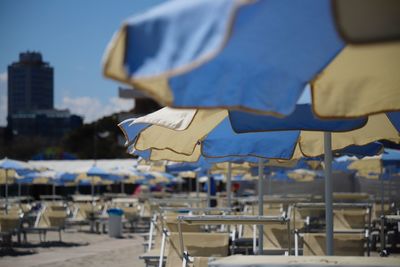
(48, 220)
(10, 224)
(152, 253)
(351, 219)
(226, 220)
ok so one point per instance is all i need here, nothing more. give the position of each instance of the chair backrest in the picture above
(52, 219)
(130, 213)
(85, 209)
(348, 219)
(57, 208)
(171, 223)
(298, 216)
(377, 210)
(276, 236)
(343, 244)
(9, 222)
(197, 245)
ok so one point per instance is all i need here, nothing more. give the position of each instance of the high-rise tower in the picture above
(30, 84)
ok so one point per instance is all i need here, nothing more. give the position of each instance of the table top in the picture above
(303, 261)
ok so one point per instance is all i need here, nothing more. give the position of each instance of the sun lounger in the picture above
(232, 220)
(48, 220)
(9, 225)
(352, 219)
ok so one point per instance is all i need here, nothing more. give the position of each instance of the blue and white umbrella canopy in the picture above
(255, 56)
(209, 133)
(18, 167)
(45, 177)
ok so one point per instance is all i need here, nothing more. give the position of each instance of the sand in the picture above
(79, 248)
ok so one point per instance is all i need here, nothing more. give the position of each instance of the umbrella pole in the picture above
(209, 190)
(54, 191)
(92, 190)
(197, 187)
(260, 206)
(228, 185)
(19, 192)
(328, 193)
(6, 191)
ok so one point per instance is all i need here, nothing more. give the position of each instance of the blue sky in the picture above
(72, 36)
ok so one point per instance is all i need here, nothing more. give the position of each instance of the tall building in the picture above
(31, 100)
(30, 84)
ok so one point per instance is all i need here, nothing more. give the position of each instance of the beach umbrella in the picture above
(42, 178)
(255, 56)
(12, 165)
(209, 133)
(94, 174)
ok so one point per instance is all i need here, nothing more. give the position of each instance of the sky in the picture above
(72, 36)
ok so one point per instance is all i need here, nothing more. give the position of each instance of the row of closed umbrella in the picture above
(257, 56)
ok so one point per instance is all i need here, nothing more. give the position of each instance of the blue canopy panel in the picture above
(96, 171)
(131, 132)
(341, 166)
(270, 52)
(181, 167)
(391, 157)
(301, 119)
(10, 164)
(114, 177)
(224, 142)
(367, 150)
(84, 182)
(25, 180)
(174, 34)
(394, 117)
(67, 177)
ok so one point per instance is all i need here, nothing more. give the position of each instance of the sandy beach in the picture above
(78, 248)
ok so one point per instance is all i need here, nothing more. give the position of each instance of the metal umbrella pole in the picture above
(197, 187)
(328, 193)
(209, 190)
(122, 187)
(229, 185)
(19, 192)
(260, 206)
(92, 189)
(6, 190)
(54, 190)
